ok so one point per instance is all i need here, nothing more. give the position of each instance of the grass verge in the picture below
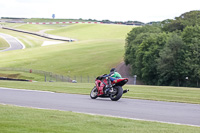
(158, 93)
(22, 75)
(3, 44)
(27, 120)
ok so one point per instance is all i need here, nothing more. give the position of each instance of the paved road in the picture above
(181, 113)
(13, 42)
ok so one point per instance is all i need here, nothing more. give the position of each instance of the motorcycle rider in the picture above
(113, 75)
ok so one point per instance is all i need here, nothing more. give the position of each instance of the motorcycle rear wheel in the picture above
(118, 94)
(94, 93)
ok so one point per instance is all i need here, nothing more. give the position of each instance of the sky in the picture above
(115, 10)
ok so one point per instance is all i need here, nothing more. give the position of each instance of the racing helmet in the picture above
(113, 70)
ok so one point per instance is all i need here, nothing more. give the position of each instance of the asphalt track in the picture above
(14, 43)
(167, 112)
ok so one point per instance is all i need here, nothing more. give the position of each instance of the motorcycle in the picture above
(102, 88)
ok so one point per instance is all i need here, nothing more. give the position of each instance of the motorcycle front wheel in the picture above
(94, 93)
(118, 92)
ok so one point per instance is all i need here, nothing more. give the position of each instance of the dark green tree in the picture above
(166, 53)
(191, 36)
(142, 49)
(172, 66)
(191, 18)
(134, 39)
(191, 32)
(146, 56)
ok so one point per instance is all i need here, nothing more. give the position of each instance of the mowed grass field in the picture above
(99, 48)
(26, 120)
(34, 27)
(93, 31)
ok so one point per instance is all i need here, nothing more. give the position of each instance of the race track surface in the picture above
(170, 112)
(13, 42)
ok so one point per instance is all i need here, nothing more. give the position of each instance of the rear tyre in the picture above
(118, 94)
(94, 93)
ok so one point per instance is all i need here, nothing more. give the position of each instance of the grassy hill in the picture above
(93, 31)
(99, 47)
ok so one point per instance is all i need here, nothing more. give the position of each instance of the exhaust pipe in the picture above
(125, 91)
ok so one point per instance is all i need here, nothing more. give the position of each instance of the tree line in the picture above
(166, 53)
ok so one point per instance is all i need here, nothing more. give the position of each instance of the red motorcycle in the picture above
(103, 89)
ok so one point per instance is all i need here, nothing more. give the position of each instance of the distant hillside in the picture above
(99, 48)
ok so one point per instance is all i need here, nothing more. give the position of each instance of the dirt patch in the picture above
(14, 77)
(125, 72)
(10, 75)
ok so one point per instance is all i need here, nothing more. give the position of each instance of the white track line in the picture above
(26, 90)
(23, 46)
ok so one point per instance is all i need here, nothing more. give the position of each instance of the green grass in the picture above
(93, 31)
(94, 55)
(79, 58)
(26, 120)
(79, 31)
(3, 44)
(35, 27)
(164, 93)
(159, 93)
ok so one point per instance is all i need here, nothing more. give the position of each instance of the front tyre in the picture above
(118, 93)
(94, 93)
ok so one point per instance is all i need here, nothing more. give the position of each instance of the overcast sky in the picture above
(116, 10)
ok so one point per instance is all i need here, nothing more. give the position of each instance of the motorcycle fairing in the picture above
(120, 82)
(100, 86)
